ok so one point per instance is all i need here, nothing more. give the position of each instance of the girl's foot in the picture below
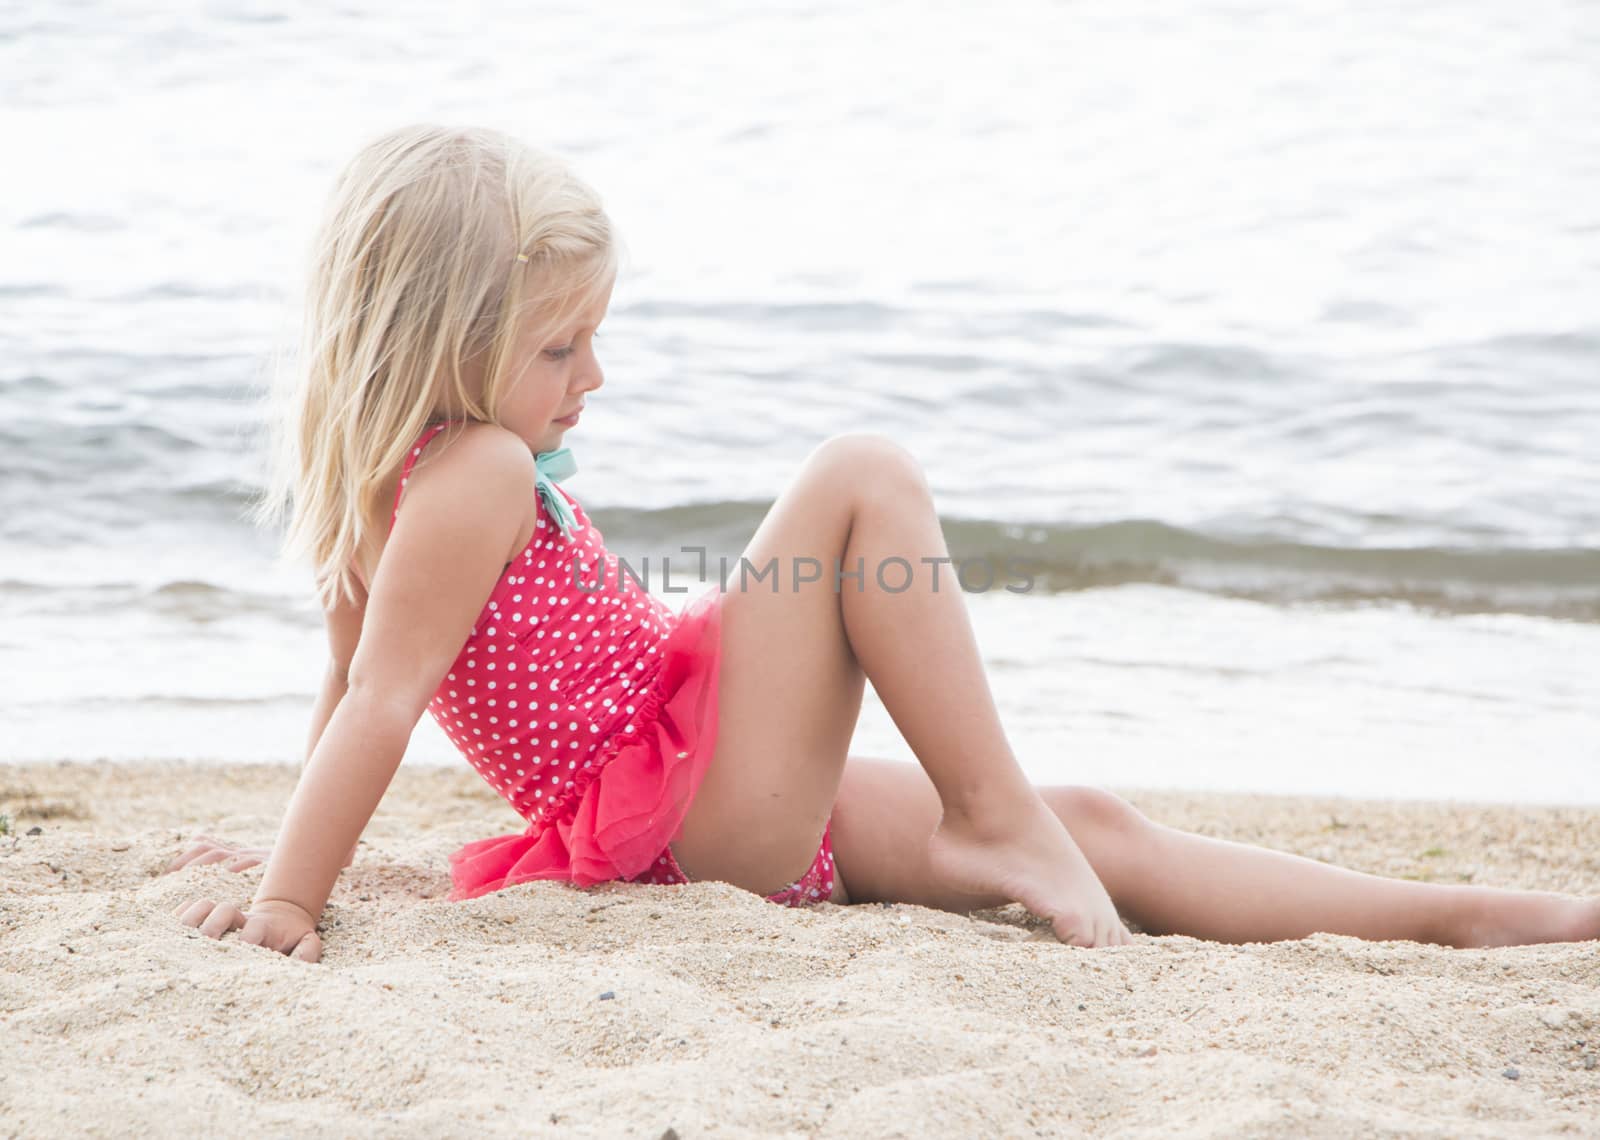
(1028, 857)
(1518, 918)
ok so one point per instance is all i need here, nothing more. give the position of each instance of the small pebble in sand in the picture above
(1511, 1073)
(608, 995)
(34, 831)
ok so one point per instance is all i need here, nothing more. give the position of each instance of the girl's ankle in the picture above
(1495, 917)
(994, 818)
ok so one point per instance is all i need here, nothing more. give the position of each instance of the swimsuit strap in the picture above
(411, 461)
(549, 466)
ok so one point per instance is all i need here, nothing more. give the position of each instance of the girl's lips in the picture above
(572, 419)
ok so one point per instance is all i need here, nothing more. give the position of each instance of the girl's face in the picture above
(549, 376)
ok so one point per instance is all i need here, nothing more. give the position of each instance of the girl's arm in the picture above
(343, 620)
(466, 514)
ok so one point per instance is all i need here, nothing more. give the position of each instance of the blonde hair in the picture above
(438, 244)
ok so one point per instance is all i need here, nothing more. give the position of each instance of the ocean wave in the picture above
(1052, 558)
(192, 601)
(1271, 559)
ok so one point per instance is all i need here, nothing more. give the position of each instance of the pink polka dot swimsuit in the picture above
(590, 707)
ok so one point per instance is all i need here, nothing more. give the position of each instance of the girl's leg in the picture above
(1235, 892)
(793, 655)
(1173, 882)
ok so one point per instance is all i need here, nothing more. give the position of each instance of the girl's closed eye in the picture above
(561, 353)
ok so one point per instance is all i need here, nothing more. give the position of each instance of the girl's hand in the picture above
(232, 856)
(273, 923)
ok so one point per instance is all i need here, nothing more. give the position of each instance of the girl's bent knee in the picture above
(871, 461)
(1095, 808)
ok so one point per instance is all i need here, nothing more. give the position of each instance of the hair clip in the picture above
(522, 257)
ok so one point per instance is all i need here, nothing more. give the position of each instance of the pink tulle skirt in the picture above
(642, 785)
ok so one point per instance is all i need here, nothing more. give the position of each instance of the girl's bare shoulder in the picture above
(479, 477)
(484, 456)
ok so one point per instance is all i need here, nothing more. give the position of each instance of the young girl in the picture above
(459, 284)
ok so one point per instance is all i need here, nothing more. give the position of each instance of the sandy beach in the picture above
(702, 1010)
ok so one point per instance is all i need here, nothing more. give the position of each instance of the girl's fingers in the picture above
(231, 856)
(185, 859)
(200, 851)
(223, 918)
(254, 931)
(193, 913)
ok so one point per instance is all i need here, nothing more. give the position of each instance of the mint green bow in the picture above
(553, 466)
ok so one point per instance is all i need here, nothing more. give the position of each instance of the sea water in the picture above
(1267, 333)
